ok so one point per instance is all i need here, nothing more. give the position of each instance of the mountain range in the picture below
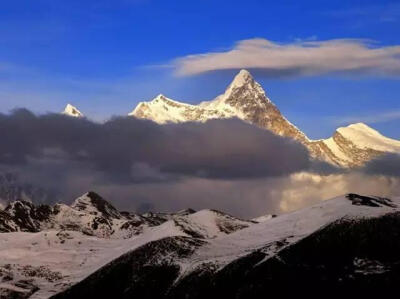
(45, 249)
(245, 99)
(348, 245)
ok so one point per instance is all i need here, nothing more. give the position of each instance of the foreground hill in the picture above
(345, 246)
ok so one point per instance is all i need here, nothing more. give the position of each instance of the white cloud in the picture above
(303, 189)
(300, 58)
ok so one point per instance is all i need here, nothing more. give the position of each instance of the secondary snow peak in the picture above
(359, 126)
(72, 111)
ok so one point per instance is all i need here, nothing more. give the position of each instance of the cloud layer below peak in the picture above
(300, 58)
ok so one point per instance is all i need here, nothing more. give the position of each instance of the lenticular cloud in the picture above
(300, 58)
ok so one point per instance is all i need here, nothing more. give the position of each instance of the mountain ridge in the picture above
(56, 246)
(244, 98)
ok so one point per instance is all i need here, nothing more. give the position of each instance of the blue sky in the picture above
(105, 56)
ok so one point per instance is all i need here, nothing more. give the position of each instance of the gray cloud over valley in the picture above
(73, 155)
(137, 164)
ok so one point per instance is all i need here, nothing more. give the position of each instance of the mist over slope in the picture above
(67, 155)
(224, 164)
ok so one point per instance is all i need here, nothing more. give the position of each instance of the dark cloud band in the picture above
(130, 149)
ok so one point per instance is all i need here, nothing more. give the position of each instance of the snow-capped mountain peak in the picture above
(72, 111)
(244, 80)
(242, 94)
(245, 99)
(356, 144)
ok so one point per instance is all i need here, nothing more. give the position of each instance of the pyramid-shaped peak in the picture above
(244, 73)
(243, 77)
(244, 81)
(72, 111)
(94, 204)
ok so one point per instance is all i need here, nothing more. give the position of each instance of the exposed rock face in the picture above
(245, 99)
(25, 216)
(376, 202)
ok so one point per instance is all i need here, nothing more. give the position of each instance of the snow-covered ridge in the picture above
(163, 110)
(89, 214)
(94, 216)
